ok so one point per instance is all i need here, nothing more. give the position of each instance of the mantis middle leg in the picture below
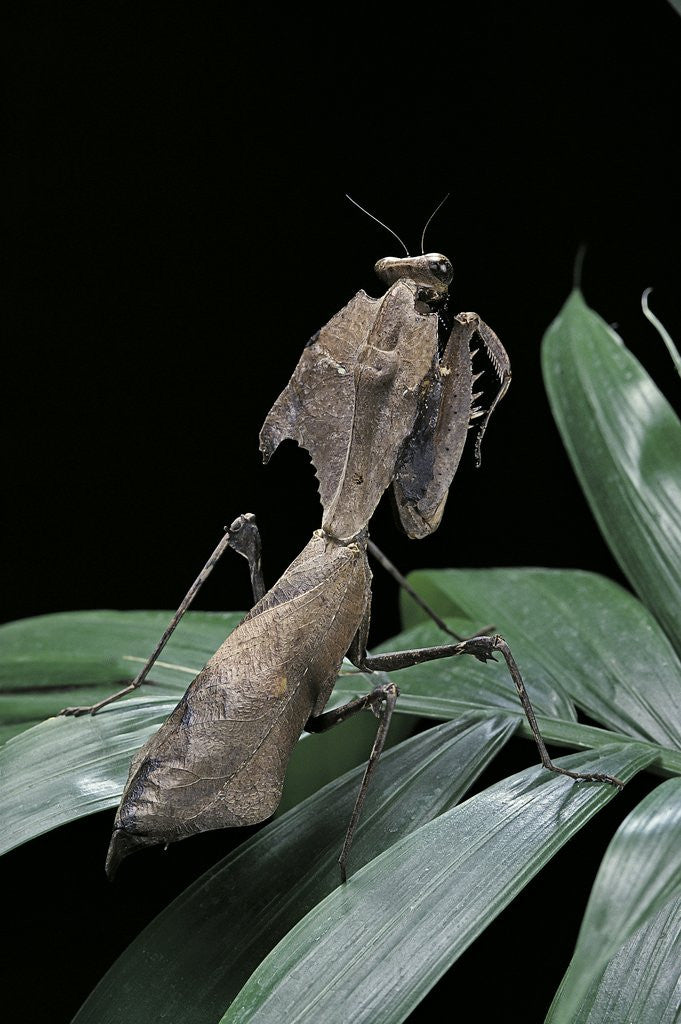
(244, 537)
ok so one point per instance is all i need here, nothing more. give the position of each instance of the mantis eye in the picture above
(441, 268)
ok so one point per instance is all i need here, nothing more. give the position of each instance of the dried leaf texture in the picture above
(219, 759)
(353, 400)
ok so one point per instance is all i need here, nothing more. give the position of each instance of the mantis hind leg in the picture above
(244, 537)
(483, 648)
(382, 702)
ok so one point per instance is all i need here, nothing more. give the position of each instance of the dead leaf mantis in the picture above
(382, 401)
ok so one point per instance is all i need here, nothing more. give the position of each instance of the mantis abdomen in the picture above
(219, 760)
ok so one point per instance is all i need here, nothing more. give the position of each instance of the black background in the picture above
(178, 230)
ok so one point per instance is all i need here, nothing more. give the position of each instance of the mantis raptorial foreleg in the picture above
(244, 537)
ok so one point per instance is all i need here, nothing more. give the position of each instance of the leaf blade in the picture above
(640, 873)
(372, 949)
(579, 633)
(623, 439)
(50, 661)
(664, 334)
(641, 982)
(205, 945)
(67, 768)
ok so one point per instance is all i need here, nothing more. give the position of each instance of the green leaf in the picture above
(641, 983)
(623, 439)
(374, 947)
(639, 875)
(67, 768)
(662, 331)
(51, 661)
(191, 961)
(64, 769)
(576, 632)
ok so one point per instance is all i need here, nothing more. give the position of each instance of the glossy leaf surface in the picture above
(374, 947)
(624, 440)
(580, 633)
(639, 875)
(191, 961)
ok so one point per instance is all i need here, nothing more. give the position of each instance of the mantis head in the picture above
(432, 272)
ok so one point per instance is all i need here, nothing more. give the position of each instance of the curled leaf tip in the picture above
(578, 267)
(661, 330)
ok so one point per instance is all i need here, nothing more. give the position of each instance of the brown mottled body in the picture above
(354, 398)
(220, 758)
(377, 407)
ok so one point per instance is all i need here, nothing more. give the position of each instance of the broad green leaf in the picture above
(642, 982)
(373, 948)
(192, 960)
(588, 737)
(558, 732)
(66, 768)
(639, 874)
(624, 442)
(51, 661)
(576, 632)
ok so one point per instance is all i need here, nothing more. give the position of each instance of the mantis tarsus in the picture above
(382, 398)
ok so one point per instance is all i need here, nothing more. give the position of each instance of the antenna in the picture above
(355, 203)
(423, 236)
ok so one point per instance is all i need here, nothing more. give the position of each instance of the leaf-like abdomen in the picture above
(220, 758)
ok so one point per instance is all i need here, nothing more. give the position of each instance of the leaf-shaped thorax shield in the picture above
(367, 399)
